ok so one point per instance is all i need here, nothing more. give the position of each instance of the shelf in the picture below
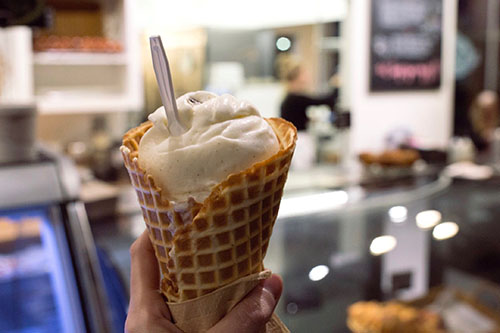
(79, 59)
(67, 81)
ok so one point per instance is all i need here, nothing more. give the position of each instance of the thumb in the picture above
(254, 311)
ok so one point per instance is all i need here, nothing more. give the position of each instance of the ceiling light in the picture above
(283, 44)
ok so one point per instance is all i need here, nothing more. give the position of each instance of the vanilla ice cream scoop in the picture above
(224, 136)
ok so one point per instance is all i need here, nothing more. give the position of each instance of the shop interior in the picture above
(391, 202)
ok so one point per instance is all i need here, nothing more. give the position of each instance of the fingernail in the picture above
(274, 286)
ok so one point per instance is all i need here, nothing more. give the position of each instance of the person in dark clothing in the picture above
(294, 106)
(296, 102)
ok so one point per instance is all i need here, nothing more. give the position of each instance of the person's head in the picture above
(293, 73)
(484, 113)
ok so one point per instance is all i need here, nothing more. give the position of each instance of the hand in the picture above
(149, 313)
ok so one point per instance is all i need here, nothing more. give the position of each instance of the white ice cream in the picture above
(224, 136)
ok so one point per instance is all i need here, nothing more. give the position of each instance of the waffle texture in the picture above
(204, 246)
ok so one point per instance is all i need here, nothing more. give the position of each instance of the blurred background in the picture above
(393, 192)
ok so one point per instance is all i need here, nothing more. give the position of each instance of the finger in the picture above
(144, 272)
(254, 311)
(145, 277)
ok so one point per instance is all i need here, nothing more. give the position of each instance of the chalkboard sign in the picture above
(405, 44)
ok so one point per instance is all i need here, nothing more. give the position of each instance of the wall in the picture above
(58, 130)
(427, 114)
(186, 51)
(235, 46)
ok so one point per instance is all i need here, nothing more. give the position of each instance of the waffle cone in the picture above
(202, 247)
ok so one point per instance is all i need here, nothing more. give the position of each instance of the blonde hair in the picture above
(287, 66)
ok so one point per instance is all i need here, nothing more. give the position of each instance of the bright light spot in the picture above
(382, 244)
(318, 273)
(398, 214)
(428, 219)
(313, 203)
(445, 230)
(283, 44)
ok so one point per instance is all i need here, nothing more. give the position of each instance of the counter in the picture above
(323, 242)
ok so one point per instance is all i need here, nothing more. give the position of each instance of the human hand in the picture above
(149, 313)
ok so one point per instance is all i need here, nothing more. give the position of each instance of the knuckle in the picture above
(139, 322)
(131, 326)
(253, 313)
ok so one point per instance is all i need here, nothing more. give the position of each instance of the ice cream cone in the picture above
(202, 247)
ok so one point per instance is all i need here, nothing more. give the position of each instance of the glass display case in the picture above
(399, 239)
(51, 275)
(336, 247)
(36, 279)
(402, 241)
